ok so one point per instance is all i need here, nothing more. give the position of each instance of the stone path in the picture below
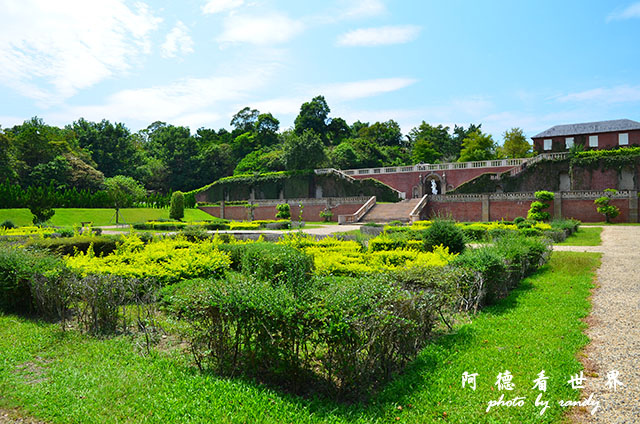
(614, 329)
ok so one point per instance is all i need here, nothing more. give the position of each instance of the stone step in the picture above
(387, 212)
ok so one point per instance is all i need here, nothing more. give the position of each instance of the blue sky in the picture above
(504, 64)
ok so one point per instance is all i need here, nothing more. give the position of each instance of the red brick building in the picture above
(592, 135)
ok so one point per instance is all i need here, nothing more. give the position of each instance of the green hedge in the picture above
(292, 184)
(102, 245)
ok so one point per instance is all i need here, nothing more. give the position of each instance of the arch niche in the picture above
(433, 182)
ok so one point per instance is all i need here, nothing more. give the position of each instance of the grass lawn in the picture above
(70, 216)
(68, 377)
(585, 236)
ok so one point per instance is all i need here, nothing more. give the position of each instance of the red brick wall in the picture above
(460, 211)
(605, 141)
(508, 210)
(585, 210)
(309, 213)
(405, 181)
(582, 209)
(594, 179)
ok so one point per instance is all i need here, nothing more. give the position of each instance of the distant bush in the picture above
(444, 232)
(283, 211)
(176, 210)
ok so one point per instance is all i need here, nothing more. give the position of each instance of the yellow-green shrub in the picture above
(166, 260)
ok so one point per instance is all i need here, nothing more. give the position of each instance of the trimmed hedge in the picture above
(102, 245)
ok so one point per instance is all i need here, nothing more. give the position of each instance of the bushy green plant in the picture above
(18, 267)
(348, 334)
(604, 207)
(278, 264)
(283, 211)
(536, 210)
(8, 224)
(101, 245)
(326, 215)
(444, 232)
(176, 210)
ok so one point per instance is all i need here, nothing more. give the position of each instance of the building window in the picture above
(593, 141)
(623, 139)
(568, 142)
(547, 144)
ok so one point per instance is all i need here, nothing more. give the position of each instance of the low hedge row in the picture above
(345, 335)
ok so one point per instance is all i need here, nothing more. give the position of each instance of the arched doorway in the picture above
(433, 184)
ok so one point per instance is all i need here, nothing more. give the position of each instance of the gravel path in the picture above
(614, 329)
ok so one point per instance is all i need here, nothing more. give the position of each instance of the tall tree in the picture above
(459, 134)
(423, 151)
(478, 146)
(304, 151)
(245, 120)
(112, 146)
(515, 144)
(123, 191)
(267, 129)
(440, 140)
(314, 116)
(383, 133)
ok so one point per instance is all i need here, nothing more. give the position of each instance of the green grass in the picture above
(71, 216)
(74, 378)
(585, 236)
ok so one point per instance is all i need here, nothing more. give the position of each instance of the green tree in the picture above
(112, 146)
(176, 210)
(304, 151)
(245, 120)
(123, 191)
(459, 134)
(7, 158)
(515, 144)
(604, 207)
(40, 204)
(267, 129)
(338, 130)
(477, 146)
(423, 151)
(440, 139)
(383, 133)
(314, 116)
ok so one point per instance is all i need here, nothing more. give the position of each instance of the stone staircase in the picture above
(386, 212)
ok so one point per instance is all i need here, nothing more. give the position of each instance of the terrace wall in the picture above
(507, 206)
(310, 212)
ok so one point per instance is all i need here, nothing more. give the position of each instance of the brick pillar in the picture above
(557, 205)
(222, 209)
(633, 206)
(485, 207)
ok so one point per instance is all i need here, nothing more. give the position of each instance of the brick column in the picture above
(485, 207)
(557, 205)
(633, 206)
(222, 208)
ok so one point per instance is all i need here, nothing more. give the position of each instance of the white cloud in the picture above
(380, 36)
(178, 41)
(217, 6)
(262, 30)
(619, 94)
(364, 8)
(630, 12)
(192, 101)
(50, 50)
